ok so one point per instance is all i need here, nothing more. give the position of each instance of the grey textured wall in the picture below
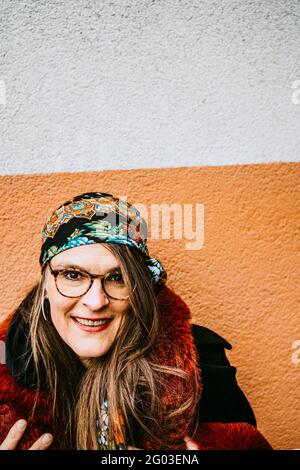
(92, 85)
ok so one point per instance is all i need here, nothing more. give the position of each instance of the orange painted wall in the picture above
(243, 283)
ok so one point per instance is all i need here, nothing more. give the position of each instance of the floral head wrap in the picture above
(94, 218)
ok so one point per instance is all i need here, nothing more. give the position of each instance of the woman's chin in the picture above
(89, 353)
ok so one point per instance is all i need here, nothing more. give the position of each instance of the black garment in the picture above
(18, 353)
(222, 399)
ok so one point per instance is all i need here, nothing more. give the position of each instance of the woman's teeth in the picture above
(91, 322)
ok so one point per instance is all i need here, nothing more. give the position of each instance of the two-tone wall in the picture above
(188, 103)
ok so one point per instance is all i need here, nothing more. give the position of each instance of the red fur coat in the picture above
(175, 343)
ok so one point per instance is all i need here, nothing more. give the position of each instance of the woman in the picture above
(100, 352)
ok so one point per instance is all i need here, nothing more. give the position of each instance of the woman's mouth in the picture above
(92, 326)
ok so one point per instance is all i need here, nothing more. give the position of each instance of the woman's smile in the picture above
(91, 325)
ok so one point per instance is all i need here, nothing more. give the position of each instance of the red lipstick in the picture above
(92, 329)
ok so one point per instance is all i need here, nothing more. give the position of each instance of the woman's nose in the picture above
(95, 298)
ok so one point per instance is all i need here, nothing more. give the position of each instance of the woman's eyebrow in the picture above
(76, 266)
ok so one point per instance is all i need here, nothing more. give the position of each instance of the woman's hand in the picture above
(16, 433)
(190, 444)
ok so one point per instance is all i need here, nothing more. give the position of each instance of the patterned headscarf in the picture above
(94, 218)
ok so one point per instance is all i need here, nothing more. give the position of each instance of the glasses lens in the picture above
(115, 287)
(73, 283)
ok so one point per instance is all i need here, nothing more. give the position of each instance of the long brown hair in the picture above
(126, 374)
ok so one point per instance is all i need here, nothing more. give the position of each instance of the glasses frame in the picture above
(55, 273)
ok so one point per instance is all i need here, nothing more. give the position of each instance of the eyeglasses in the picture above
(73, 282)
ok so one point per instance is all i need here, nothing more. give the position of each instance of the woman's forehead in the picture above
(93, 257)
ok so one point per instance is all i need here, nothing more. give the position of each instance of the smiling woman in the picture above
(82, 306)
(101, 352)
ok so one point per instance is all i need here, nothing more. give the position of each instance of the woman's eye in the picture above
(116, 278)
(72, 275)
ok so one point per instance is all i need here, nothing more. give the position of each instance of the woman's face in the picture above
(66, 313)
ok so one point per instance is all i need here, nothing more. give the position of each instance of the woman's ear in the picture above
(45, 295)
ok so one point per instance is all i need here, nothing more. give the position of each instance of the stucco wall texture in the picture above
(243, 283)
(95, 85)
